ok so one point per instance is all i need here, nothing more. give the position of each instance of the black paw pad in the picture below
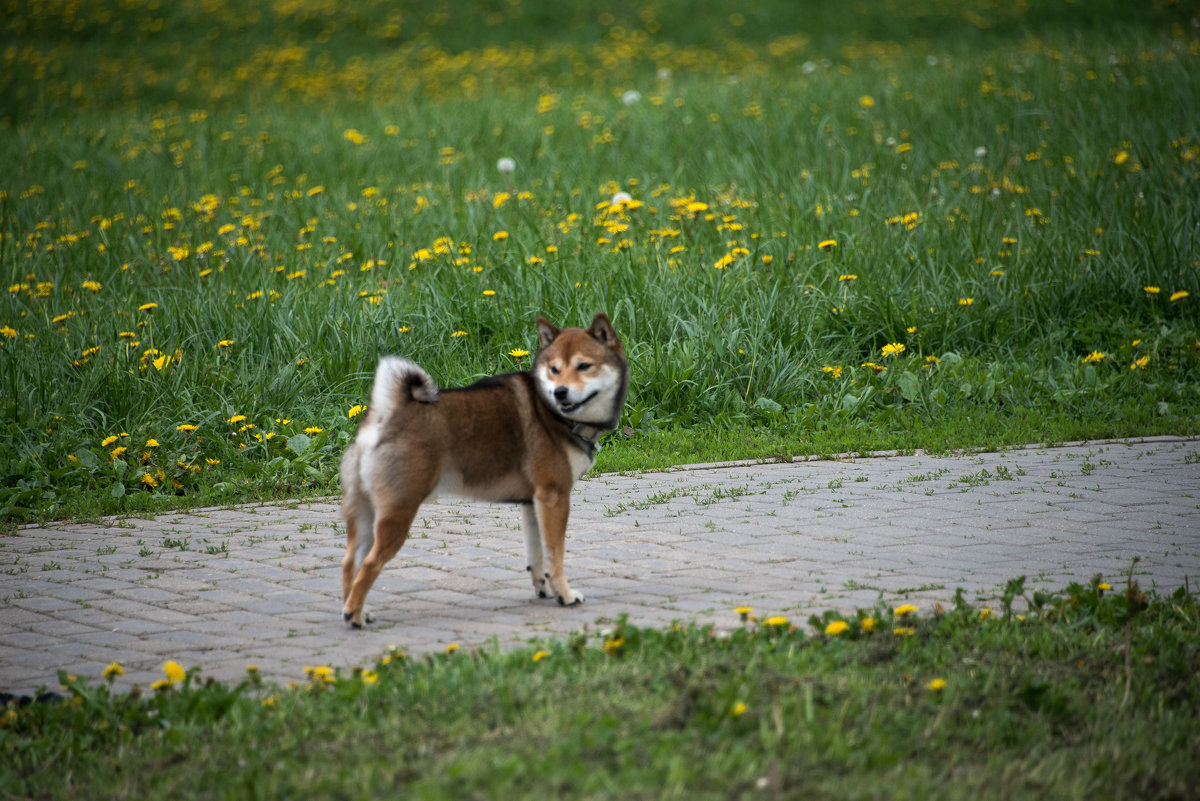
(543, 594)
(356, 626)
(346, 616)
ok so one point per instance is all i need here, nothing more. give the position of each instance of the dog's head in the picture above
(582, 373)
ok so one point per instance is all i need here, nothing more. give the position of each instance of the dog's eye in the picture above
(583, 366)
(554, 369)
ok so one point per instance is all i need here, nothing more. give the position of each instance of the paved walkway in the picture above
(224, 588)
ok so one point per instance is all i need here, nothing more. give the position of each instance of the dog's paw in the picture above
(357, 621)
(571, 599)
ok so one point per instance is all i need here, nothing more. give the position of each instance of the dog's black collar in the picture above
(587, 436)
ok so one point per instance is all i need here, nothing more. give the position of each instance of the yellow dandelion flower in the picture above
(1180, 295)
(737, 709)
(827, 244)
(893, 349)
(500, 236)
(866, 101)
(936, 685)
(538, 656)
(836, 627)
(175, 672)
(355, 411)
(152, 443)
(313, 430)
(459, 333)
(776, 621)
(518, 353)
(1151, 290)
(148, 307)
(904, 609)
(1093, 357)
(113, 670)
(965, 301)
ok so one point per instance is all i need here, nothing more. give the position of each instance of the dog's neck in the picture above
(587, 435)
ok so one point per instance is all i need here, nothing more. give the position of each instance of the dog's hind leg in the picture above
(360, 536)
(390, 532)
(534, 558)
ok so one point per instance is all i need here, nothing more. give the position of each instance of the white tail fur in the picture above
(397, 377)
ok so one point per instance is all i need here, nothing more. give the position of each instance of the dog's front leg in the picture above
(534, 559)
(552, 507)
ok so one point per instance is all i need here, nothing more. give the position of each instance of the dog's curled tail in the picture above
(400, 379)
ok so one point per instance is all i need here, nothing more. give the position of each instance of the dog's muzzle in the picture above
(561, 394)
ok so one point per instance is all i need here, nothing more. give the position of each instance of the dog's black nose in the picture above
(560, 394)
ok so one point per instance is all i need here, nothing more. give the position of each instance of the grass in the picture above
(1085, 692)
(919, 226)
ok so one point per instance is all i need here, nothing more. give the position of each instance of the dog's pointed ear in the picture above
(546, 332)
(602, 330)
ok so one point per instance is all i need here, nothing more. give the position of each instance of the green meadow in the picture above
(843, 229)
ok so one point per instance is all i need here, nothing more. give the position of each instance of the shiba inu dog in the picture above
(519, 438)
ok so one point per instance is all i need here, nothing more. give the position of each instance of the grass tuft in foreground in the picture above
(1087, 691)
